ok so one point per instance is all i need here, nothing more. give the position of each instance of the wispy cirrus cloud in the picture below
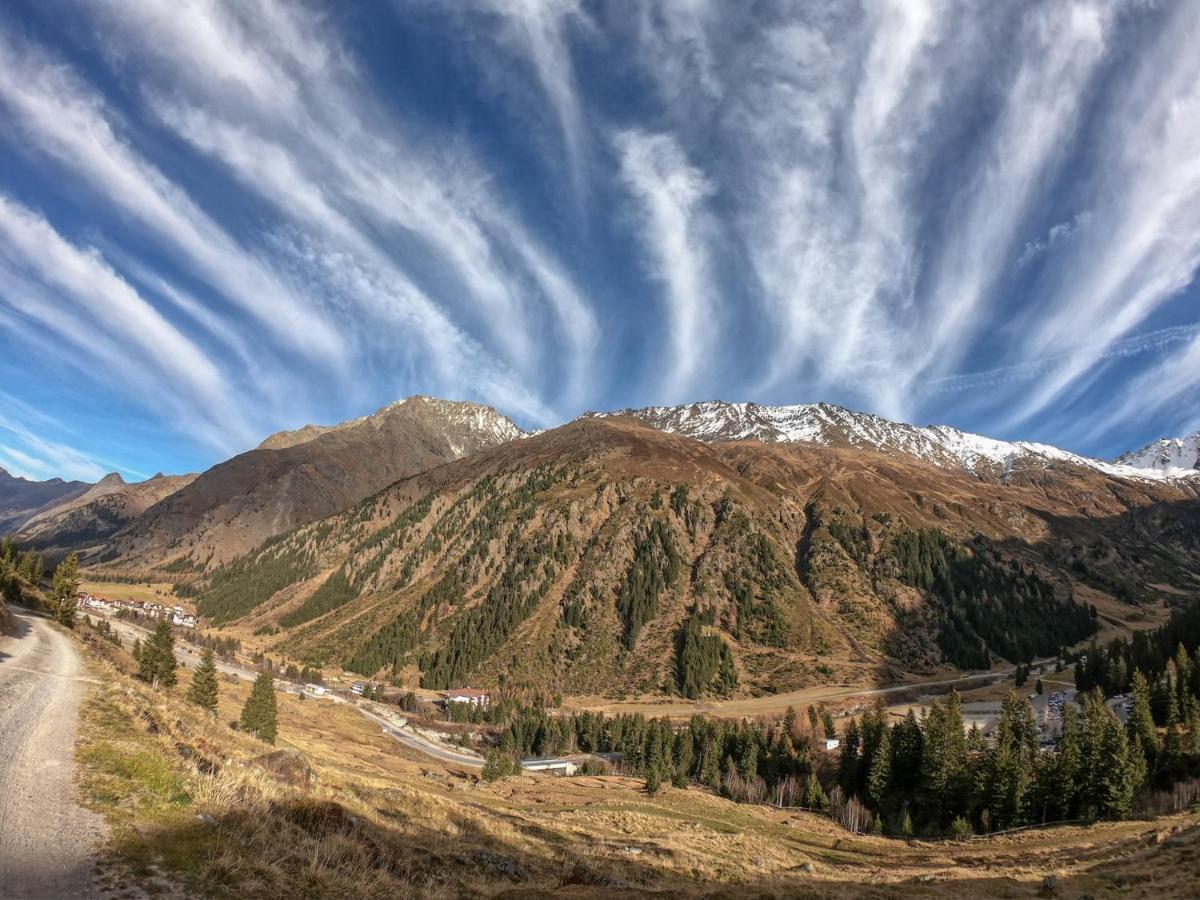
(335, 163)
(671, 194)
(559, 205)
(74, 294)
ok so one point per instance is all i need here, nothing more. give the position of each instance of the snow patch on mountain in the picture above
(1169, 457)
(835, 426)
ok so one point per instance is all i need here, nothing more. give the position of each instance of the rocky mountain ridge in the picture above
(941, 445)
(21, 498)
(297, 477)
(1170, 457)
(98, 513)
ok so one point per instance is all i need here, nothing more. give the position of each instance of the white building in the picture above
(467, 695)
(550, 766)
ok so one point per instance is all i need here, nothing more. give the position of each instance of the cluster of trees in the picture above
(1163, 655)
(746, 760)
(17, 569)
(987, 604)
(222, 645)
(157, 666)
(304, 675)
(239, 586)
(335, 591)
(703, 662)
(481, 630)
(656, 566)
(391, 644)
(932, 775)
(1169, 704)
(755, 582)
(922, 775)
(855, 538)
(104, 630)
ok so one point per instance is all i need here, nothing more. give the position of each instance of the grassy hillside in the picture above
(605, 557)
(192, 813)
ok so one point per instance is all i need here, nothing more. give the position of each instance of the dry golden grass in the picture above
(189, 815)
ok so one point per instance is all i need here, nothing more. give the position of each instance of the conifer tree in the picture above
(259, 714)
(944, 759)
(62, 596)
(156, 663)
(1141, 719)
(848, 764)
(879, 779)
(204, 683)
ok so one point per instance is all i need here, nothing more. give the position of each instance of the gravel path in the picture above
(47, 840)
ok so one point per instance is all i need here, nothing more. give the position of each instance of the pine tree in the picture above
(1124, 771)
(157, 659)
(879, 779)
(945, 778)
(849, 763)
(1141, 719)
(204, 683)
(259, 714)
(1194, 727)
(62, 595)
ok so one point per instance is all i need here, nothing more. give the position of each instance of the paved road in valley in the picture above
(409, 739)
(47, 841)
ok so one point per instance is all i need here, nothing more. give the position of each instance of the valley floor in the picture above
(189, 813)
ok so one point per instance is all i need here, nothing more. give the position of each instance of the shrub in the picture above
(960, 829)
(500, 765)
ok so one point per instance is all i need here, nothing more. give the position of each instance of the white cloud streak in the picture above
(67, 120)
(671, 194)
(88, 304)
(844, 202)
(326, 155)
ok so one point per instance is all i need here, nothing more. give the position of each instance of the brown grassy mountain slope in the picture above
(605, 556)
(21, 499)
(299, 477)
(97, 513)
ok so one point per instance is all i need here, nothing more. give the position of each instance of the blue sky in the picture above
(218, 220)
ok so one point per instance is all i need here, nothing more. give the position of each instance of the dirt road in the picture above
(47, 840)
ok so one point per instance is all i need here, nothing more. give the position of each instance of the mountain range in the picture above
(296, 477)
(753, 548)
(834, 426)
(21, 499)
(581, 557)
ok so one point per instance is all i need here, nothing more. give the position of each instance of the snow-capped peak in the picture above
(829, 425)
(1169, 457)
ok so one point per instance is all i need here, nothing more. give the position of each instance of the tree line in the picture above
(19, 570)
(926, 774)
(987, 605)
(1164, 655)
